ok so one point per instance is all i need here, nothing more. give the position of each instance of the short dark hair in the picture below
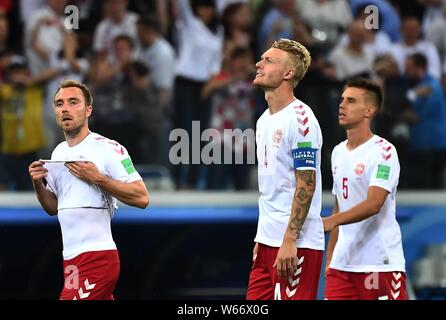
(419, 60)
(126, 38)
(373, 89)
(205, 3)
(151, 22)
(76, 84)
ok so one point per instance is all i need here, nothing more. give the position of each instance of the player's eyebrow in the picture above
(68, 99)
(350, 99)
(266, 57)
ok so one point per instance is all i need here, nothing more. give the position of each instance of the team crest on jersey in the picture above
(359, 170)
(277, 136)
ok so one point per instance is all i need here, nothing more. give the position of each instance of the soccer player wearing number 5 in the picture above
(364, 256)
(289, 244)
(83, 195)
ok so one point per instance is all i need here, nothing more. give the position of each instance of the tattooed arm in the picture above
(286, 261)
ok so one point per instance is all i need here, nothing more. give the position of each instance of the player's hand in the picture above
(286, 260)
(254, 251)
(84, 170)
(328, 224)
(37, 171)
(327, 266)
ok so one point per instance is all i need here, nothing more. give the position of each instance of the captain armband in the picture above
(304, 157)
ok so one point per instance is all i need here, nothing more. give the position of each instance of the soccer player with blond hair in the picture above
(288, 249)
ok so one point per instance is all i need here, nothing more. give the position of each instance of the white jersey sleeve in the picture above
(386, 168)
(118, 163)
(306, 140)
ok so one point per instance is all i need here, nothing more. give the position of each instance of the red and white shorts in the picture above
(342, 285)
(91, 276)
(265, 284)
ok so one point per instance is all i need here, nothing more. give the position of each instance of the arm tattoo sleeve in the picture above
(305, 186)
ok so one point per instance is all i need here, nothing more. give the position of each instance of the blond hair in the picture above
(73, 83)
(300, 58)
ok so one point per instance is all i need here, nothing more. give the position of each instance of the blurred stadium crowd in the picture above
(157, 65)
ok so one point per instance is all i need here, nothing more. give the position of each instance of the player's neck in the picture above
(73, 138)
(357, 136)
(278, 100)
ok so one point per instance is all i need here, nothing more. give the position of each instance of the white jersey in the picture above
(84, 210)
(288, 140)
(374, 244)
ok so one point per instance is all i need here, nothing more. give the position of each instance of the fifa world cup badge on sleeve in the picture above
(304, 155)
(383, 172)
(128, 165)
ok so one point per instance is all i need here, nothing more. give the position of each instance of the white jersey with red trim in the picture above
(84, 209)
(288, 140)
(374, 244)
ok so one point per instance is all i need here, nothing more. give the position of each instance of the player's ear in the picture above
(371, 111)
(89, 110)
(289, 74)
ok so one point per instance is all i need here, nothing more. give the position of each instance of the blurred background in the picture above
(154, 66)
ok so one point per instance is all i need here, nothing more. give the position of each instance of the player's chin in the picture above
(343, 123)
(260, 84)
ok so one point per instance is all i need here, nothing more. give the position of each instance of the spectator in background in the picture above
(376, 40)
(151, 119)
(117, 21)
(276, 23)
(4, 31)
(159, 56)
(352, 60)
(413, 43)
(161, 9)
(200, 39)
(117, 105)
(436, 33)
(327, 18)
(5, 50)
(393, 120)
(432, 11)
(232, 102)
(44, 34)
(237, 22)
(428, 133)
(21, 110)
(221, 5)
(44, 40)
(28, 8)
(302, 33)
(90, 14)
(389, 18)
